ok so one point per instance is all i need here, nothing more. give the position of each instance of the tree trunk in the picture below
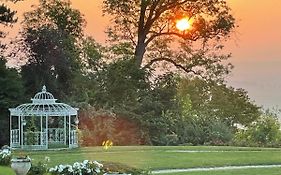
(139, 52)
(140, 48)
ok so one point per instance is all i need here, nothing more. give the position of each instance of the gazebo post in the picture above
(47, 139)
(21, 132)
(64, 123)
(19, 129)
(41, 131)
(69, 123)
(11, 130)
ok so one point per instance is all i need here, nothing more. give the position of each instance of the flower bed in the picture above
(85, 168)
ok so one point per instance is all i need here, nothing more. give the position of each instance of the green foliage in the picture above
(5, 157)
(217, 101)
(7, 18)
(50, 40)
(11, 94)
(57, 14)
(219, 133)
(38, 169)
(31, 128)
(265, 131)
(120, 85)
(159, 110)
(209, 110)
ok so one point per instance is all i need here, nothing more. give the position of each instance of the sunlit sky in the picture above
(255, 46)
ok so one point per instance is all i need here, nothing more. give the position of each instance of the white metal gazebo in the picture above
(43, 124)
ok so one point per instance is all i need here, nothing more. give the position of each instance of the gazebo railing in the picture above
(34, 138)
(56, 135)
(15, 138)
(73, 142)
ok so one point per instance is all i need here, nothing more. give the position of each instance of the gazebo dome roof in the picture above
(43, 103)
(43, 97)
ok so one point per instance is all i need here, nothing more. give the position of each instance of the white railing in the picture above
(34, 138)
(41, 140)
(56, 135)
(73, 142)
(15, 139)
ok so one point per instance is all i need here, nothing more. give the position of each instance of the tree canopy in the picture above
(7, 18)
(11, 94)
(149, 26)
(50, 41)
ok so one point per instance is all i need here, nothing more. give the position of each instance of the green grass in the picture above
(257, 171)
(6, 171)
(153, 158)
(161, 158)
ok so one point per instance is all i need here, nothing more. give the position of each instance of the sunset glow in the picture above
(183, 24)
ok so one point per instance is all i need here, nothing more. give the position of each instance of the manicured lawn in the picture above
(6, 171)
(165, 157)
(153, 158)
(258, 171)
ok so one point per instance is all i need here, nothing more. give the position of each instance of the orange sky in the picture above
(256, 46)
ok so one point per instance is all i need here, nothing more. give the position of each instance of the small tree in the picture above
(30, 131)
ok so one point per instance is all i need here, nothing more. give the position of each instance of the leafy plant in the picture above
(38, 169)
(262, 132)
(5, 157)
(30, 134)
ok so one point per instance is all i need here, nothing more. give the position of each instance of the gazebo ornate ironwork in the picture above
(43, 124)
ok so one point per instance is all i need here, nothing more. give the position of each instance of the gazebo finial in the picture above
(44, 89)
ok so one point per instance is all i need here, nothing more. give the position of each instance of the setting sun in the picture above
(183, 24)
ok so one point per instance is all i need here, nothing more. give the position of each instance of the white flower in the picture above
(47, 159)
(52, 170)
(85, 162)
(69, 168)
(98, 164)
(61, 168)
(97, 170)
(89, 170)
(76, 165)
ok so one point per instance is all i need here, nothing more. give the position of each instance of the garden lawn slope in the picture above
(153, 158)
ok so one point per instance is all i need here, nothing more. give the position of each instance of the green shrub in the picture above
(5, 157)
(219, 133)
(263, 132)
(38, 169)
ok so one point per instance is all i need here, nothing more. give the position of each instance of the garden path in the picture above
(213, 169)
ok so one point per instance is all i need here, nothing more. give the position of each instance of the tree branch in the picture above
(185, 69)
(157, 34)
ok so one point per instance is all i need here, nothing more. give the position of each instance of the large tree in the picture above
(150, 27)
(50, 39)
